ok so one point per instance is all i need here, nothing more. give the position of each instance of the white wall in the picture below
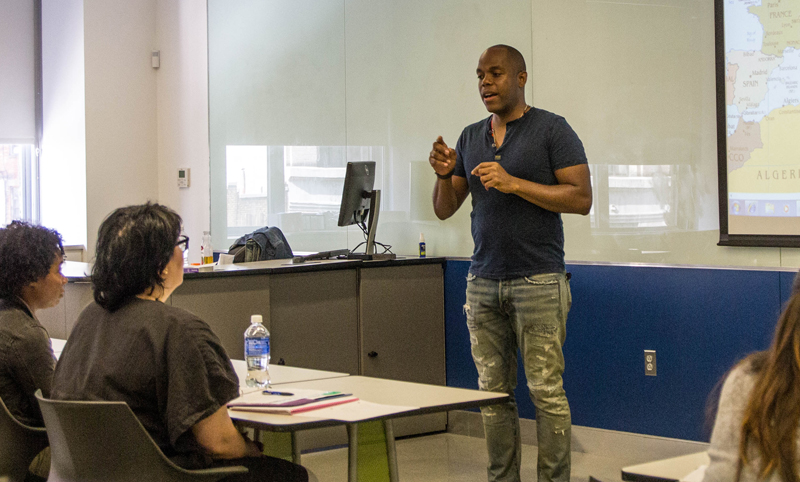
(141, 123)
(62, 179)
(121, 121)
(116, 130)
(635, 79)
(182, 83)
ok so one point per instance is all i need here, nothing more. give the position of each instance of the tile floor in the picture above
(454, 458)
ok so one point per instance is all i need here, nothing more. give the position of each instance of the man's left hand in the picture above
(493, 175)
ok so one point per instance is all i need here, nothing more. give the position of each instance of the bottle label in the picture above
(256, 347)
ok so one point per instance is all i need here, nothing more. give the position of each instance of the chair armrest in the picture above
(220, 471)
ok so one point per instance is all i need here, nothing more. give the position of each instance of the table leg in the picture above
(352, 452)
(373, 452)
(282, 445)
(295, 449)
(391, 453)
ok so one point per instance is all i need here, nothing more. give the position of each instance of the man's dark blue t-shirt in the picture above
(513, 237)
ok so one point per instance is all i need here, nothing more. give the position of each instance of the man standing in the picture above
(523, 166)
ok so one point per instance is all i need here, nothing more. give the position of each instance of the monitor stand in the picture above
(372, 227)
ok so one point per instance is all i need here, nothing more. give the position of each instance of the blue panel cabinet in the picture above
(700, 321)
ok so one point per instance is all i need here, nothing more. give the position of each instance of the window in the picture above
(15, 160)
(297, 188)
(20, 53)
(635, 197)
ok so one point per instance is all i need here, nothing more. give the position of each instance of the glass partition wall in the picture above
(299, 87)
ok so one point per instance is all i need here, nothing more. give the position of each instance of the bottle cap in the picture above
(256, 319)
(421, 238)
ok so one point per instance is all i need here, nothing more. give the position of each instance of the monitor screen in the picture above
(758, 117)
(359, 179)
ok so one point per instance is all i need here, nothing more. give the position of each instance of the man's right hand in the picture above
(442, 158)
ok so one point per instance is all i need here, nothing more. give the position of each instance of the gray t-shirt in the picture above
(26, 362)
(164, 362)
(514, 237)
(724, 449)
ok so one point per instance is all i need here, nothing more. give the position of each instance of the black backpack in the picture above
(260, 245)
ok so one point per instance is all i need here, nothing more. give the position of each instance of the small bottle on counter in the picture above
(257, 353)
(421, 245)
(206, 250)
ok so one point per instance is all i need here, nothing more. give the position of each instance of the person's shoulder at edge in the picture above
(724, 449)
(740, 380)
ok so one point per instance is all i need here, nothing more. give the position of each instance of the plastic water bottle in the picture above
(206, 250)
(256, 353)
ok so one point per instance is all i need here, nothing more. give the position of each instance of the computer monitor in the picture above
(359, 178)
(361, 205)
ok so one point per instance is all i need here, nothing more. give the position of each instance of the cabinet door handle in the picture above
(372, 354)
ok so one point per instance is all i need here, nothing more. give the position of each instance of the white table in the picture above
(665, 470)
(58, 346)
(280, 374)
(400, 399)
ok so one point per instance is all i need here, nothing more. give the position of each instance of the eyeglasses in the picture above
(183, 242)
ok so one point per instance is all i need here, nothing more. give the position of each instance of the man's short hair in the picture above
(516, 58)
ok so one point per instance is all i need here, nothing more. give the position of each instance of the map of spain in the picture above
(762, 96)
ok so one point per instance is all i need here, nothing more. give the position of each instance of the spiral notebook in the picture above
(289, 400)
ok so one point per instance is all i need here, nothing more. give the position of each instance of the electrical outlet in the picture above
(650, 363)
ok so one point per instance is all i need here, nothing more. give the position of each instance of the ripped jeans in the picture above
(530, 314)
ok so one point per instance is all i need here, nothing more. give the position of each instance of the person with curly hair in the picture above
(30, 280)
(164, 362)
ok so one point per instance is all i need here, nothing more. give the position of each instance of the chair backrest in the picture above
(19, 444)
(105, 442)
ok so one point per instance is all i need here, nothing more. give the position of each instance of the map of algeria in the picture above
(762, 96)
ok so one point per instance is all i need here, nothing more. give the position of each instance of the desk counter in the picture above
(78, 272)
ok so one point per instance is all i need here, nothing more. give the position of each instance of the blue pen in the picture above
(271, 392)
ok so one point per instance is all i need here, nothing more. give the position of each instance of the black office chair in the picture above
(105, 442)
(19, 444)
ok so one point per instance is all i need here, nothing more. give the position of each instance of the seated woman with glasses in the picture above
(30, 280)
(163, 361)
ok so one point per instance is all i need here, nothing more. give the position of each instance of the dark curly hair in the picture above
(27, 252)
(134, 245)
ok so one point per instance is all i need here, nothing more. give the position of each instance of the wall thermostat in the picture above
(183, 177)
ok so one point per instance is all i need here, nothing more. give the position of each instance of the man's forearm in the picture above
(559, 198)
(445, 199)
